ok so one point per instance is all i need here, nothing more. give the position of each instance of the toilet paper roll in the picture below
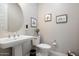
(54, 44)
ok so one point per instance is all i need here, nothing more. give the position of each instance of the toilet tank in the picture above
(36, 41)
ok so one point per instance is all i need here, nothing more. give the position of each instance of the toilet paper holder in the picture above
(54, 43)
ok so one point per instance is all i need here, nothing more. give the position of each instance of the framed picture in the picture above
(61, 18)
(33, 22)
(48, 17)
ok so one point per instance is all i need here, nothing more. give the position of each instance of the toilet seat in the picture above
(44, 46)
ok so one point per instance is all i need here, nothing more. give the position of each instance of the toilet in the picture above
(43, 48)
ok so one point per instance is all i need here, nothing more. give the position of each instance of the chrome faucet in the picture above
(9, 36)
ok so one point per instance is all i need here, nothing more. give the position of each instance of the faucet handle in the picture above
(18, 35)
(9, 36)
(14, 35)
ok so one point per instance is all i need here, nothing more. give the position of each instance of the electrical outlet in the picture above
(26, 27)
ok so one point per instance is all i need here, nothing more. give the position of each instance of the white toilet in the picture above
(44, 48)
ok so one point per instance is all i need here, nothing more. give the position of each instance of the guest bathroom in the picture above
(39, 29)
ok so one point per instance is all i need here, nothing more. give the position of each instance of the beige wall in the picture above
(66, 34)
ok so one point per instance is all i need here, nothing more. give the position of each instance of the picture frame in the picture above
(61, 18)
(48, 17)
(33, 22)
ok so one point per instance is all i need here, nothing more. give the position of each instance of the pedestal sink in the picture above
(15, 43)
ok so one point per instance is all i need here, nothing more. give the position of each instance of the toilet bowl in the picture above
(43, 47)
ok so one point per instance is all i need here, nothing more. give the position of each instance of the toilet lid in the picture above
(44, 46)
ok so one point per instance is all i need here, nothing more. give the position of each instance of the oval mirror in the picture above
(15, 17)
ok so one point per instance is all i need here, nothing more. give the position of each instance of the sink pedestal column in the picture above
(17, 50)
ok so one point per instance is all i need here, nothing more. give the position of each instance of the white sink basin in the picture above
(11, 42)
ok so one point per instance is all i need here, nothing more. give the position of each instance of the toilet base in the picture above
(38, 53)
(41, 54)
